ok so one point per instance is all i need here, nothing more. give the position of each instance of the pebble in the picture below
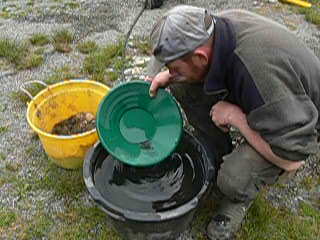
(128, 71)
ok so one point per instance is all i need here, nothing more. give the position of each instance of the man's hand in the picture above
(161, 80)
(225, 114)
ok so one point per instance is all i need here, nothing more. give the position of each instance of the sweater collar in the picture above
(224, 45)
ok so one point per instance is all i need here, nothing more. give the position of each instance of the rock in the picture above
(140, 60)
(136, 71)
(128, 71)
(130, 44)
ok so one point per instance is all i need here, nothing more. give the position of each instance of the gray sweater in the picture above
(261, 66)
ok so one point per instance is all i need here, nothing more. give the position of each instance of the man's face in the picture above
(186, 70)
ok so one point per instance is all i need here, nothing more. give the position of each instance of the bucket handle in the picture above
(22, 87)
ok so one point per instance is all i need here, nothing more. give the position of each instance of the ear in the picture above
(200, 57)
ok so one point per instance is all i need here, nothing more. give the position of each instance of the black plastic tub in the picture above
(163, 224)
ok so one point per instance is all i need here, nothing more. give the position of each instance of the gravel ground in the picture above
(103, 22)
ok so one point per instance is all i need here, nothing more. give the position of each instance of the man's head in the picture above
(182, 40)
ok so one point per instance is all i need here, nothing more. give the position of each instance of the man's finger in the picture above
(153, 89)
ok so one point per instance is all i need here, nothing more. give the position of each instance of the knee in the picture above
(236, 177)
(230, 187)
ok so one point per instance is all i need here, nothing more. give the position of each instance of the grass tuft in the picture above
(87, 47)
(313, 16)
(39, 39)
(13, 167)
(39, 51)
(63, 36)
(30, 3)
(2, 156)
(31, 61)
(19, 54)
(72, 5)
(98, 61)
(6, 218)
(112, 76)
(309, 183)
(12, 50)
(143, 46)
(4, 129)
(99, 77)
(62, 39)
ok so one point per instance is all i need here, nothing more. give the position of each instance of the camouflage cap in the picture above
(180, 31)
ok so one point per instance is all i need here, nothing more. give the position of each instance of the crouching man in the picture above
(238, 69)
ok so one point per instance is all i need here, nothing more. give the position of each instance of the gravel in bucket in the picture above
(79, 123)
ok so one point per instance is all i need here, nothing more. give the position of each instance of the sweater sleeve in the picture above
(278, 108)
(284, 72)
(288, 125)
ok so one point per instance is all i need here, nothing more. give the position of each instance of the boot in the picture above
(227, 219)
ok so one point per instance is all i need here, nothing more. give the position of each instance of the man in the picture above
(238, 69)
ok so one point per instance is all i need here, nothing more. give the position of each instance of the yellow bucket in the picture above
(59, 102)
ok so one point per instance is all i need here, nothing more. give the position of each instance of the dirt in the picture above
(79, 123)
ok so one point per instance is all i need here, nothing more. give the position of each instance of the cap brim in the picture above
(154, 67)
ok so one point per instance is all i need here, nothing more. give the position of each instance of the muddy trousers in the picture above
(241, 172)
